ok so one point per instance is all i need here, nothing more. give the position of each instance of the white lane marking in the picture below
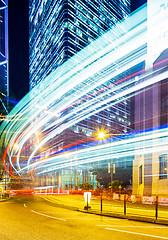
(61, 219)
(96, 219)
(143, 234)
(61, 213)
(50, 200)
(132, 226)
(85, 218)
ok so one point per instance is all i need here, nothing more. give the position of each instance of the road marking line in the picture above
(96, 219)
(143, 234)
(50, 200)
(61, 219)
(131, 226)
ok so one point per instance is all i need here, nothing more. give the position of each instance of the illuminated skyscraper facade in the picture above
(59, 29)
(4, 91)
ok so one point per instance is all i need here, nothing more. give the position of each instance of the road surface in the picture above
(37, 219)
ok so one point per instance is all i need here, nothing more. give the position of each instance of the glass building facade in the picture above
(4, 91)
(59, 29)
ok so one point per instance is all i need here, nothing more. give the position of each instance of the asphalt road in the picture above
(36, 219)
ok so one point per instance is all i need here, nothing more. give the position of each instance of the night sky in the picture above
(136, 4)
(18, 48)
(18, 45)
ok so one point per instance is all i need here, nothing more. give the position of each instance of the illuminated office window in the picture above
(163, 166)
(140, 174)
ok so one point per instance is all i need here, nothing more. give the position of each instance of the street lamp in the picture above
(101, 135)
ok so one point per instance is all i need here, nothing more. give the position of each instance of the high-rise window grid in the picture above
(4, 91)
(163, 166)
(59, 29)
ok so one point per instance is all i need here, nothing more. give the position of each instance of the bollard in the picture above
(101, 204)
(156, 204)
(87, 196)
(124, 204)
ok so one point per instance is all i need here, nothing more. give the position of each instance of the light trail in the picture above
(131, 146)
(85, 85)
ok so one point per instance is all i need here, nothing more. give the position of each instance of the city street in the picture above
(83, 119)
(35, 218)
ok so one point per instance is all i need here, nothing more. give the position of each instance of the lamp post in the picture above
(111, 176)
(119, 192)
(101, 135)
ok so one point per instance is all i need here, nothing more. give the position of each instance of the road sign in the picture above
(87, 196)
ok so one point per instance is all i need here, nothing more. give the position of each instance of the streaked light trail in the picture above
(93, 80)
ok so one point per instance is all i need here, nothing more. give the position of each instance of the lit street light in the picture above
(101, 135)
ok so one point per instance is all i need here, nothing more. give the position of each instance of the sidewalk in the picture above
(113, 208)
(3, 199)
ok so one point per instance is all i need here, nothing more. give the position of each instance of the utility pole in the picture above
(111, 175)
(112, 172)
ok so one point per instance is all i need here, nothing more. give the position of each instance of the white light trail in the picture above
(85, 85)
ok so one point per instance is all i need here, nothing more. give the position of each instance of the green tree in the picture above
(116, 184)
(86, 186)
(122, 175)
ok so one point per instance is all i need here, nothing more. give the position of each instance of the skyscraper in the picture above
(4, 86)
(59, 29)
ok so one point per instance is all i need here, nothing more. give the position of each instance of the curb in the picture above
(128, 217)
(112, 214)
(3, 200)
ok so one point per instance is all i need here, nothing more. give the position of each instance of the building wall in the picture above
(157, 29)
(151, 105)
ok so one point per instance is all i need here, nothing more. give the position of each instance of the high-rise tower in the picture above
(4, 91)
(59, 29)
